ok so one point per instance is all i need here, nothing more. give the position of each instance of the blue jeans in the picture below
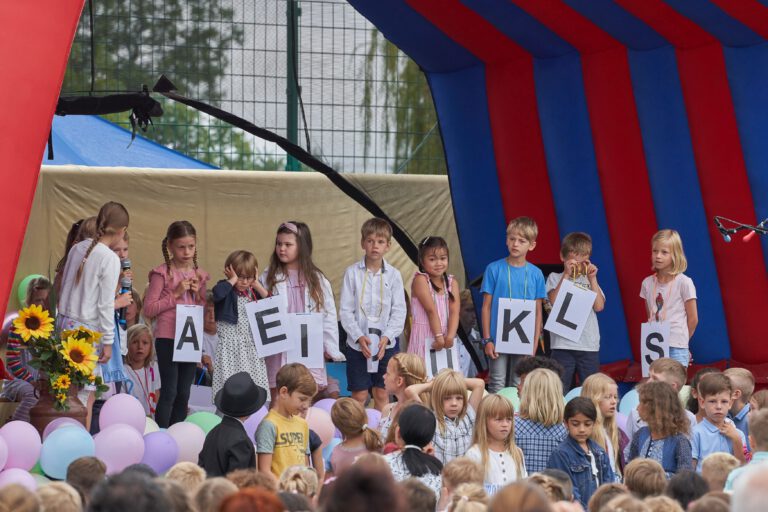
(681, 355)
(501, 372)
(579, 362)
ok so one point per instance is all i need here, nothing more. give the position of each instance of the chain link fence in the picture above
(314, 71)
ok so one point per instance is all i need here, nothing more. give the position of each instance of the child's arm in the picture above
(420, 290)
(476, 388)
(485, 319)
(264, 462)
(539, 321)
(222, 289)
(730, 431)
(454, 308)
(692, 316)
(155, 301)
(599, 304)
(347, 306)
(330, 323)
(397, 310)
(413, 391)
(319, 464)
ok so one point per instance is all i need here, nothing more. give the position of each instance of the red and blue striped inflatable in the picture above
(615, 117)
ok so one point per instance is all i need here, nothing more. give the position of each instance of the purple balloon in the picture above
(374, 416)
(24, 444)
(160, 451)
(18, 476)
(60, 422)
(123, 409)
(252, 423)
(119, 446)
(325, 404)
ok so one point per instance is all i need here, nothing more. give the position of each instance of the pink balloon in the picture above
(320, 422)
(123, 409)
(374, 416)
(60, 422)
(24, 445)
(18, 476)
(190, 439)
(252, 423)
(325, 404)
(3, 453)
(119, 446)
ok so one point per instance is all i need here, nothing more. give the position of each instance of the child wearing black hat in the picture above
(227, 446)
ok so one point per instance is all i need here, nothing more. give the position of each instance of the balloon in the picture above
(325, 404)
(329, 449)
(37, 469)
(374, 416)
(150, 426)
(160, 451)
(123, 409)
(6, 328)
(24, 444)
(629, 401)
(21, 291)
(60, 422)
(119, 446)
(62, 446)
(18, 476)
(40, 480)
(3, 453)
(621, 422)
(190, 439)
(252, 423)
(573, 394)
(511, 395)
(320, 422)
(204, 419)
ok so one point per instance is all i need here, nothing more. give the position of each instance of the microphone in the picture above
(752, 233)
(722, 230)
(125, 287)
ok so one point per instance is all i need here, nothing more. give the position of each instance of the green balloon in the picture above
(36, 469)
(511, 395)
(21, 291)
(205, 420)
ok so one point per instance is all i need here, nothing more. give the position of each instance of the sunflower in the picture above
(82, 333)
(63, 382)
(33, 321)
(61, 397)
(80, 354)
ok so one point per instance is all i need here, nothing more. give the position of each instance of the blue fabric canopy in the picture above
(91, 140)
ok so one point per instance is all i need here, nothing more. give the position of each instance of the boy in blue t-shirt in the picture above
(512, 278)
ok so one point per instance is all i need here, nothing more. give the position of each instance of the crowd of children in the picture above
(443, 442)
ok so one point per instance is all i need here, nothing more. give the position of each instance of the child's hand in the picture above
(231, 275)
(383, 342)
(123, 300)
(591, 270)
(365, 346)
(194, 285)
(338, 358)
(106, 354)
(730, 431)
(206, 361)
(449, 340)
(182, 288)
(569, 268)
(490, 351)
(439, 343)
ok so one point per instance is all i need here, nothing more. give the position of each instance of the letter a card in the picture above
(188, 339)
(570, 311)
(516, 327)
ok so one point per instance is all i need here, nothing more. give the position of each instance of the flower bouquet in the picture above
(64, 361)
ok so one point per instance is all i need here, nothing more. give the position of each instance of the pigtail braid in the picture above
(372, 440)
(194, 258)
(99, 234)
(447, 287)
(166, 256)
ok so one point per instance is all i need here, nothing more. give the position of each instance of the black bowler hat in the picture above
(240, 396)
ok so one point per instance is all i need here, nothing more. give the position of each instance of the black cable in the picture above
(294, 58)
(93, 47)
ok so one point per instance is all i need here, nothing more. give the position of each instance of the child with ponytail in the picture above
(88, 285)
(349, 416)
(178, 280)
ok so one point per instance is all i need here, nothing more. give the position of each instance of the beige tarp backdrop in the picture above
(231, 210)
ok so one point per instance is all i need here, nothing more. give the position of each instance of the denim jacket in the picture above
(572, 459)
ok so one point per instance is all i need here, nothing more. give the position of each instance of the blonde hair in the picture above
(577, 243)
(758, 428)
(760, 398)
(525, 226)
(521, 497)
(469, 498)
(134, 332)
(252, 477)
(743, 380)
(496, 407)
(645, 477)
(18, 499)
(411, 368)
(188, 474)
(595, 387)
(112, 217)
(296, 377)
(551, 487)
(462, 470)
(244, 263)
(716, 467)
(212, 492)
(377, 227)
(625, 503)
(447, 383)
(543, 401)
(673, 369)
(59, 496)
(672, 237)
(300, 480)
(663, 504)
(349, 416)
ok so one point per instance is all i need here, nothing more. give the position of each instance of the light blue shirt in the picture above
(708, 439)
(741, 420)
(757, 458)
(526, 282)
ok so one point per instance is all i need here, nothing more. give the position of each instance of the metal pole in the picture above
(292, 93)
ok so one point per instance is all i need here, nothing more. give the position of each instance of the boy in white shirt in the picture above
(372, 307)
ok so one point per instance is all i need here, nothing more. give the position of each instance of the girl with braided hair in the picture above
(403, 370)
(178, 280)
(88, 285)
